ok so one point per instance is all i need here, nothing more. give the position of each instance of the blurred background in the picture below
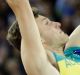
(67, 12)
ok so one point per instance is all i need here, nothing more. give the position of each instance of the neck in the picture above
(57, 49)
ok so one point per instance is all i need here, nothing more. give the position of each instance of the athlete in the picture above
(33, 50)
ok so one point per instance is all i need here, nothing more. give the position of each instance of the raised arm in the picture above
(32, 52)
(74, 39)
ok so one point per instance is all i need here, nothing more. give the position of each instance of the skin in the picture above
(51, 33)
(53, 38)
(33, 52)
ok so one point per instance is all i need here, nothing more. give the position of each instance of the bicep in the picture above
(36, 63)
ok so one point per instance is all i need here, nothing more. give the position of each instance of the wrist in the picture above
(18, 5)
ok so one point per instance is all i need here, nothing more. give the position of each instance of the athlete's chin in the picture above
(66, 38)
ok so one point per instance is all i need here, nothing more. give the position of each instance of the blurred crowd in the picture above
(67, 12)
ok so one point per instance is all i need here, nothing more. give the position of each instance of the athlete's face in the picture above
(50, 31)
